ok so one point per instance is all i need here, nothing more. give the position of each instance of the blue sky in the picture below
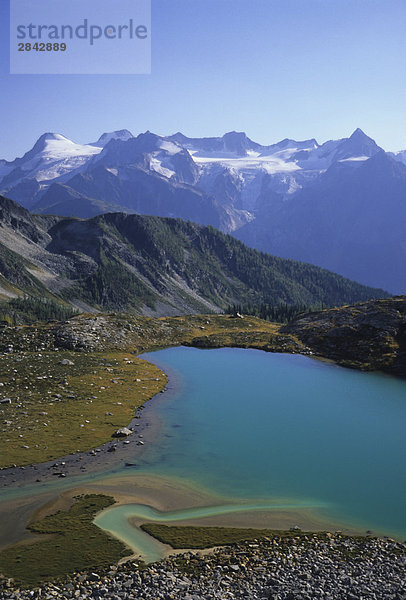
(272, 68)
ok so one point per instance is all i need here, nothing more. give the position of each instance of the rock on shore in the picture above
(325, 566)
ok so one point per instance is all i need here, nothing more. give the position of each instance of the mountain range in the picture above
(340, 205)
(151, 265)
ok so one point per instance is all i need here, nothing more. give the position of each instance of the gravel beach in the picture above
(325, 566)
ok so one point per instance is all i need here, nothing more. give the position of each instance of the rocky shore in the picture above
(325, 566)
(106, 457)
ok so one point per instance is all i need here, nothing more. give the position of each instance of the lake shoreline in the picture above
(155, 491)
(145, 424)
(49, 489)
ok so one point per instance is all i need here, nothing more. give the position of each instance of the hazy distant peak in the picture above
(289, 143)
(358, 134)
(105, 138)
(357, 131)
(358, 145)
(240, 135)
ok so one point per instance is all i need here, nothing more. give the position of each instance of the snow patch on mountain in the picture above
(354, 159)
(157, 166)
(269, 164)
(170, 147)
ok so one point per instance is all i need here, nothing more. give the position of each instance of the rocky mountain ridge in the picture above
(151, 265)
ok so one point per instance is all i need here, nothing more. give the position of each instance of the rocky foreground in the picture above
(325, 566)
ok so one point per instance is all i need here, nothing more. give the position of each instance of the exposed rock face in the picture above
(369, 335)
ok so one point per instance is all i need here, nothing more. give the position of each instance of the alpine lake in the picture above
(267, 439)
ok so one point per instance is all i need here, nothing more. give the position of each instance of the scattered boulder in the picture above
(122, 432)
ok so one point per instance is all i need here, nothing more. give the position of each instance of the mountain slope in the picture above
(159, 266)
(132, 189)
(350, 220)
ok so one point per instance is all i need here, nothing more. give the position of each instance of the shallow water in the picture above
(250, 424)
(116, 521)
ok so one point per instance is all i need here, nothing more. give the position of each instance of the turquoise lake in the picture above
(249, 424)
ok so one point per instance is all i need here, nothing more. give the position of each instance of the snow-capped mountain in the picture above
(253, 173)
(152, 152)
(235, 170)
(53, 157)
(231, 182)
